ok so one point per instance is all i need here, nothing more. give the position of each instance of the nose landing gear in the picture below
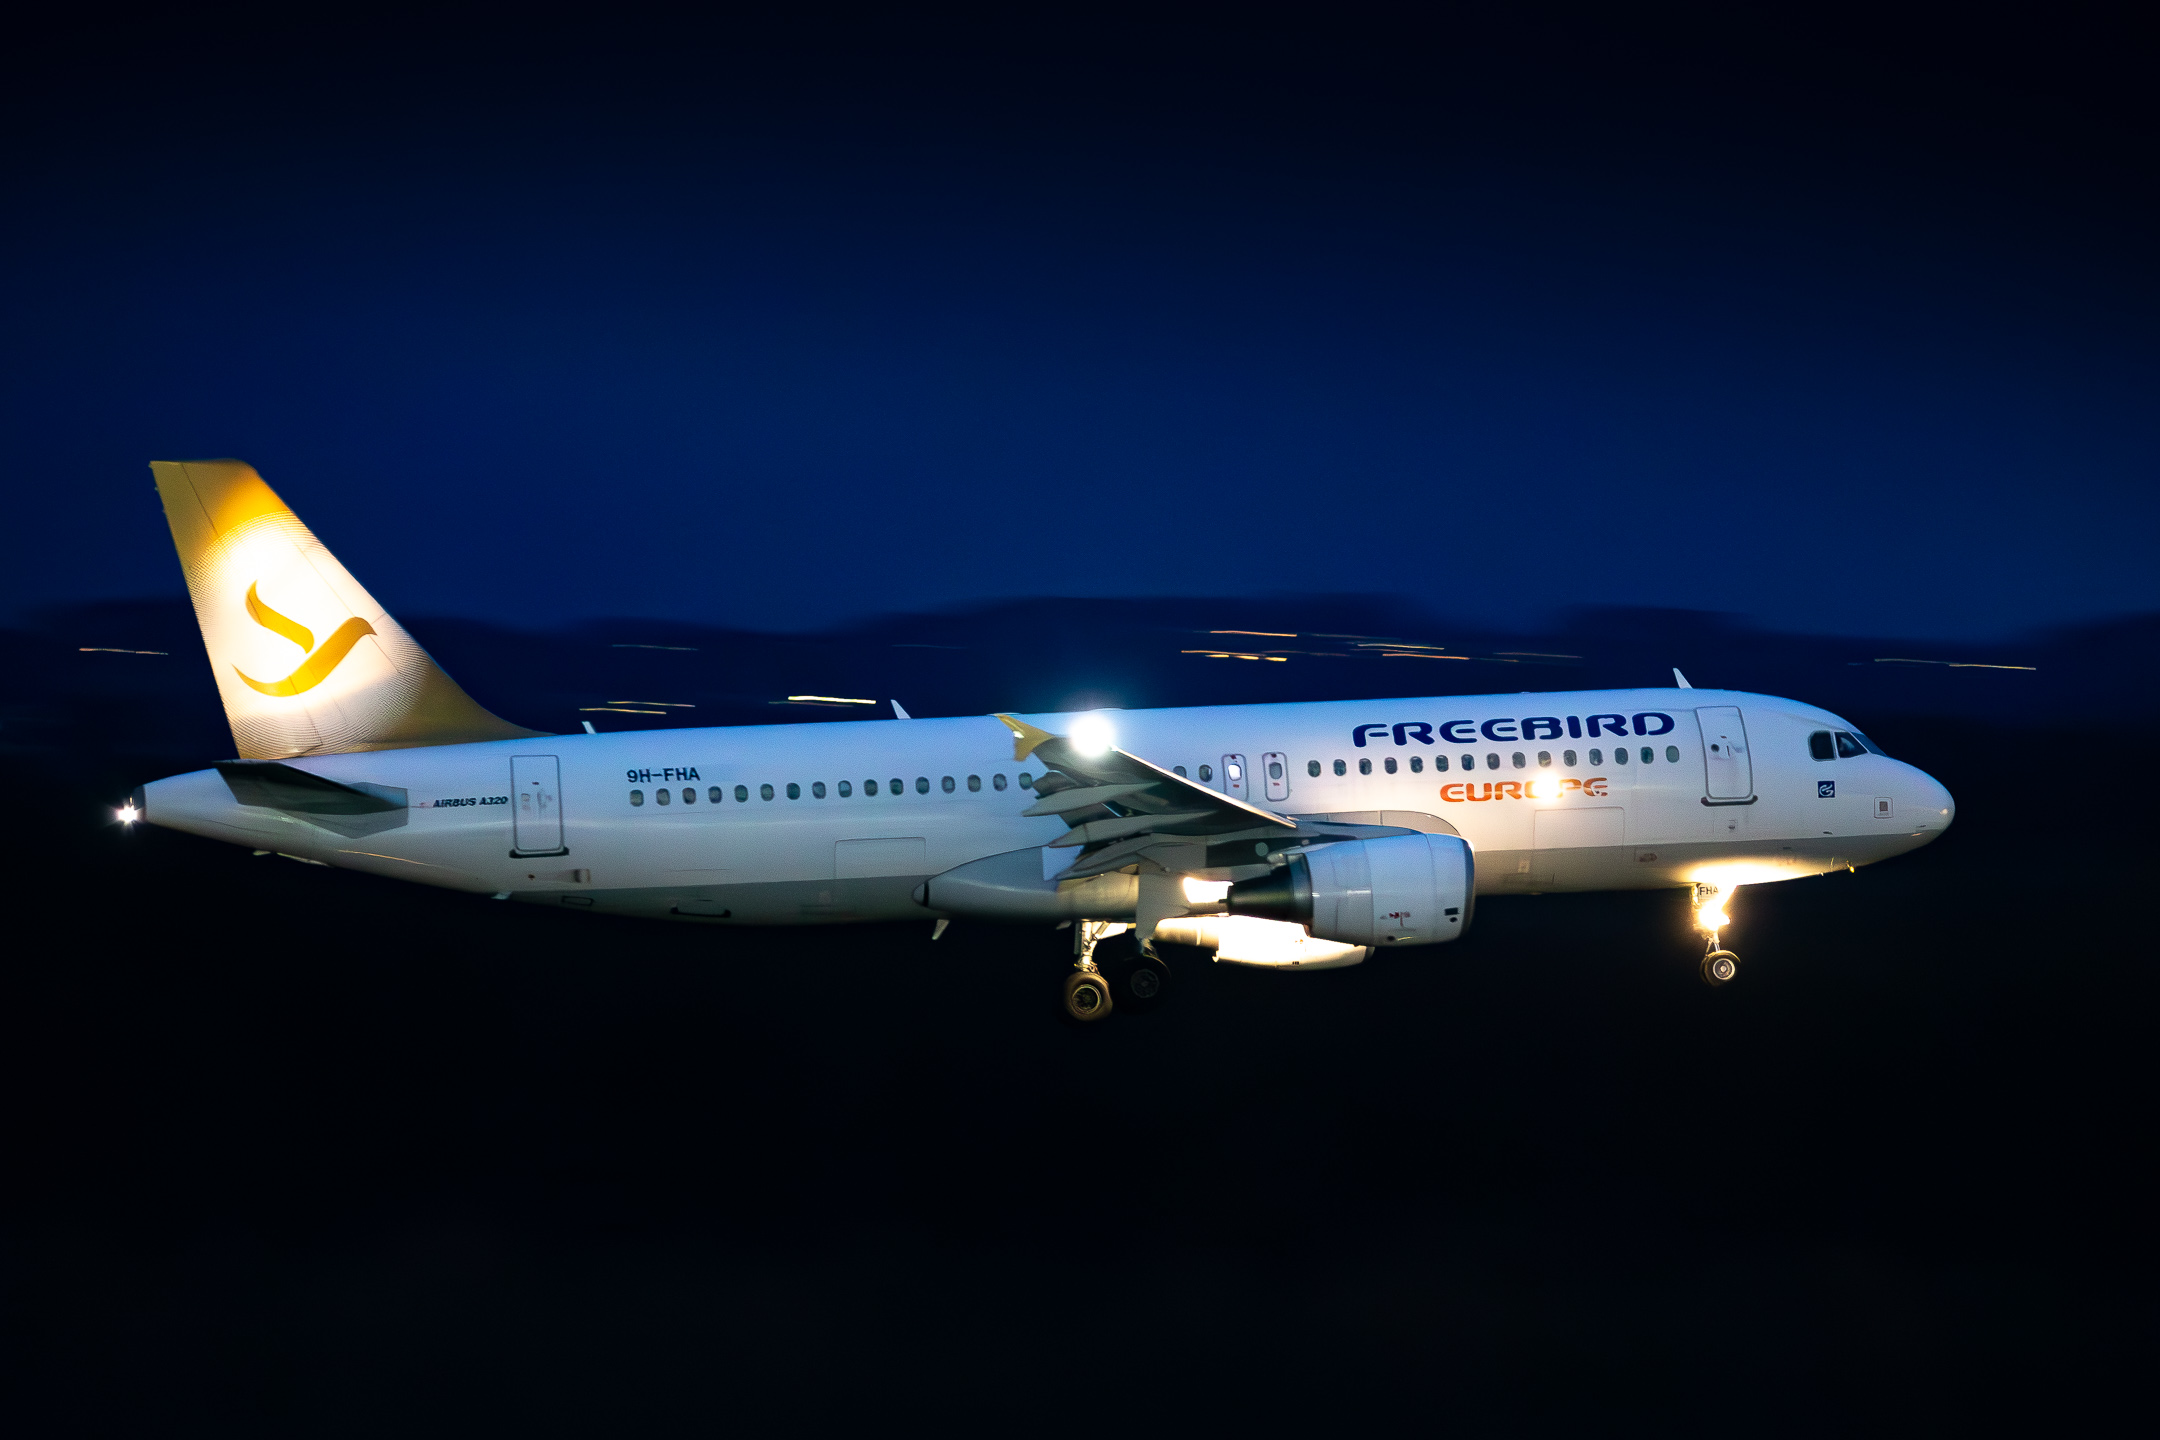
(1718, 964)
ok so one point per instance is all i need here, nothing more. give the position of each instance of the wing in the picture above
(1124, 811)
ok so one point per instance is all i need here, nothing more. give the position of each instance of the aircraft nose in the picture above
(1940, 809)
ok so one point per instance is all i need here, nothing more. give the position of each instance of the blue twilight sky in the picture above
(1845, 329)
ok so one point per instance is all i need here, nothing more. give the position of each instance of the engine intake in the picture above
(1398, 890)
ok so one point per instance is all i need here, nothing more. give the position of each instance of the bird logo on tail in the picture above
(316, 668)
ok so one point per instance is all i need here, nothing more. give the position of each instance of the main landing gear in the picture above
(1718, 964)
(1111, 970)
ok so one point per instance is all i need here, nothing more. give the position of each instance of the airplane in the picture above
(1285, 836)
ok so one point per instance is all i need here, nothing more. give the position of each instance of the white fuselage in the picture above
(1574, 807)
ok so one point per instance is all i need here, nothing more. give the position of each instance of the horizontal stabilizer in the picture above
(351, 810)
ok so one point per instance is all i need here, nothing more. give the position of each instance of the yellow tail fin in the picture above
(307, 663)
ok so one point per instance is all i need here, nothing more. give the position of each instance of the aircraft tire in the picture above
(1719, 966)
(1087, 996)
(1144, 983)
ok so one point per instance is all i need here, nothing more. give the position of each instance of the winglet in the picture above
(897, 712)
(1025, 736)
(1681, 679)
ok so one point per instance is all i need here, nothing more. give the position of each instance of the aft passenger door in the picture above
(536, 805)
(1728, 774)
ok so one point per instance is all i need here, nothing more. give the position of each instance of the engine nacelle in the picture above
(1397, 890)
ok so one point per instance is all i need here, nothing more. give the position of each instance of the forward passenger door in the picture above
(1728, 774)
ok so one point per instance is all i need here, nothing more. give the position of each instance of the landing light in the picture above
(1206, 892)
(1091, 735)
(1710, 917)
(1546, 789)
(127, 814)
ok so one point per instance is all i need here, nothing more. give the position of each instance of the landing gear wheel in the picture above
(1144, 983)
(1720, 966)
(1087, 995)
(1136, 978)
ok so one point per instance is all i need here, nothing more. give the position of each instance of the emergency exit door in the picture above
(536, 805)
(1728, 774)
(1235, 781)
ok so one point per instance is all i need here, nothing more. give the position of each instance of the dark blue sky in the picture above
(1842, 326)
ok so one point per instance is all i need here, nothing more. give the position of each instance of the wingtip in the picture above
(1025, 737)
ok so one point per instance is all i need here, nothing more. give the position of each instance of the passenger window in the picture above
(1649, 756)
(689, 796)
(716, 795)
(1364, 767)
(637, 797)
(1597, 757)
(1492, 761)
(1341, 769)
(794, 791)
(1847, 747)
(1469, 762)
(1312, 768)
(1520, 762)
(1619, 755)
(946, 784)
(1672, 754)
(1417, 764)
(922, 784)
(1567, 758)
(897, 786)
(764, 792)
(1207, 772)
(974, 783)
(869, 787)
(1179, 771)
(742, 795)
(997, 781)
(1544, 757)
(1439, 762)
(1820, 746)
(661, 797)
(846, 789)
(1274, 770)
(817, 789)
(1027, 781)
(1389, 764)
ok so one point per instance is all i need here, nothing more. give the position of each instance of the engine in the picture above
(1398, 890)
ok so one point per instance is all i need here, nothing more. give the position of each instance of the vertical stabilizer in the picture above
(307, 663)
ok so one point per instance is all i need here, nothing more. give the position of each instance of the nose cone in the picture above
(1935, 807)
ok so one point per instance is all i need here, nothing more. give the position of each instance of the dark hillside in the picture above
(302, 1152)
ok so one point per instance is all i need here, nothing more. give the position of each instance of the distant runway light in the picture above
(1091, 735)
(830, 700)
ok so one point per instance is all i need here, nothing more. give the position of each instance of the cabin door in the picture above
(1728, 774)
(1235, 782)
(536, 805)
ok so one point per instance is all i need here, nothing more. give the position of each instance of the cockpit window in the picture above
(1872, 747)
(1848, 747)
(1819, 746)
